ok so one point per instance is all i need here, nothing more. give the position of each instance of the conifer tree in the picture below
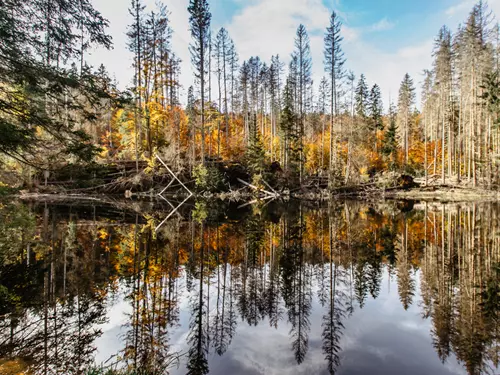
(334, 66)
(275, 85)
(304, 65)
(199, 21)
(390, 144)
(256, 158)
(405, 109)
(223, 59)
(37, 88)
(322, 109)
(362, 97)
(233, 74)
(443, 81)
(288, 126)
(427, 102)
(375, 108)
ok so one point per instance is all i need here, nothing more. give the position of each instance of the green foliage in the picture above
(16, 224)
(200, 212)
(43, 105)
(291, 134)
(256, 157)
(407, 96)
(390, 143)
(362, 97)
(199, 20)
(335, 176)
(375, 108)
(491, 295)
(334, 56)
(5, 190)
(491, 95)
(208, 178)
(200, 174)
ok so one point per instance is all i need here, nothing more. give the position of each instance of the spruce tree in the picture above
(443, 82)
(334, 66)
(43, 104)
(233, 76)
(288, 126)
(304, 65)
(256, 157)
(322, 108)
(223, 59)
(362, 97)
(390, 144)
(199, 21)
(405, 109)
(375, 108)
(275, 83)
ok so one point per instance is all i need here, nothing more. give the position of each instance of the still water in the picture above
(353, 288)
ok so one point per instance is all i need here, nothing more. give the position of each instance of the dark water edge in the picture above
(347, 287)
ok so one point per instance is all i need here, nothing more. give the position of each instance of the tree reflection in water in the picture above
(62, 271)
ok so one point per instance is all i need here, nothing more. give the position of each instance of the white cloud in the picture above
(119, 60)
(383, 25)
(267, 27)
(462, 8)
(388, 68)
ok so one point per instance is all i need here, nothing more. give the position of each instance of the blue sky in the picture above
(383, 39)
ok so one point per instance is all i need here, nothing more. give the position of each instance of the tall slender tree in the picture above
(322, 109)
(405, 108)
(136, 42)
(362, 98)
(304, 66)
(375, 109)
(334, 66)
(443, 82)
(199, 20)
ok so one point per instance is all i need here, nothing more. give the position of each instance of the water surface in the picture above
(353, 288)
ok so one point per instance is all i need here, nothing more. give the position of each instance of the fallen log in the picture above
(275, 195)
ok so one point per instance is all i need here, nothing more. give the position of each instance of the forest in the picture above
(67, 127)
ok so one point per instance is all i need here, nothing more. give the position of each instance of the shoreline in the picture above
(437, 193)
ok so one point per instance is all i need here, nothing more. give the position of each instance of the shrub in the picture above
(208, 178)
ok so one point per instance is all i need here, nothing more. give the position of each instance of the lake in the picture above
(349, 288)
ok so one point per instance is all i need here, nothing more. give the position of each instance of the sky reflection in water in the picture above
(350, 289)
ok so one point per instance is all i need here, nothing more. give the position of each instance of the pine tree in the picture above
(199, 20)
